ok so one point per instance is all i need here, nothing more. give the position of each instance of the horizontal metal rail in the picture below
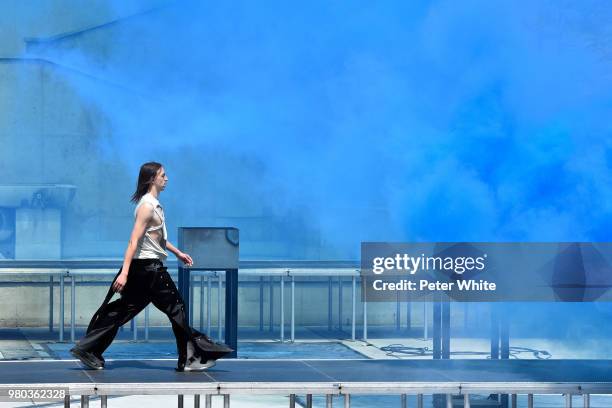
(59, 271)
(294, 380)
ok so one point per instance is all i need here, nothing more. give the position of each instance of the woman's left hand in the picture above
(186, 259)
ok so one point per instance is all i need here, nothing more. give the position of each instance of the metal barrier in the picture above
(345, 272)
(332, 378)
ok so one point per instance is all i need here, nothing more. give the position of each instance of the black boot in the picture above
(194, 361)
(99, 357)
(209, 348)
(87, 358)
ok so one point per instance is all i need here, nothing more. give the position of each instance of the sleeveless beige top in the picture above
(153, 243)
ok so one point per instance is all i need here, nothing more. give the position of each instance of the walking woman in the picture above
(144, 279)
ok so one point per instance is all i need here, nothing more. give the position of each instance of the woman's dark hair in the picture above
(147, 174)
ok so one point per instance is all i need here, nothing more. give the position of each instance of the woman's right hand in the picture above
(120, 282)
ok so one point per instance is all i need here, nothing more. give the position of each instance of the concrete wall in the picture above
(48, 136)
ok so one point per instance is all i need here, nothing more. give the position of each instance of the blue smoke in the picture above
(433, 120)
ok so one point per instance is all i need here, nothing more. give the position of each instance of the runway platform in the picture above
(316, 377)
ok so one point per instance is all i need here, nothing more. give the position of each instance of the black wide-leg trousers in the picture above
(148, 281)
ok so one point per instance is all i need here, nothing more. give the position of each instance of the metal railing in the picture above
(285, 271)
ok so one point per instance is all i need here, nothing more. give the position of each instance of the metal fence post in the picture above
(282, 309)
(292, 308)
(353, 304)
(51, 302)
(72, 307)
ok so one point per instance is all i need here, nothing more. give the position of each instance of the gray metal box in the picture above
(210, 247)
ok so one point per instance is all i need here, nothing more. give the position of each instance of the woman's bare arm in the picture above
(183, 257)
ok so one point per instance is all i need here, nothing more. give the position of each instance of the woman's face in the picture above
(161, 179)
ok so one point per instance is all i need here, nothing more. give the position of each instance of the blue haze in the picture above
(474, 122)
(424, 120)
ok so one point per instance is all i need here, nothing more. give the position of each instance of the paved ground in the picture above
(41, 344)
